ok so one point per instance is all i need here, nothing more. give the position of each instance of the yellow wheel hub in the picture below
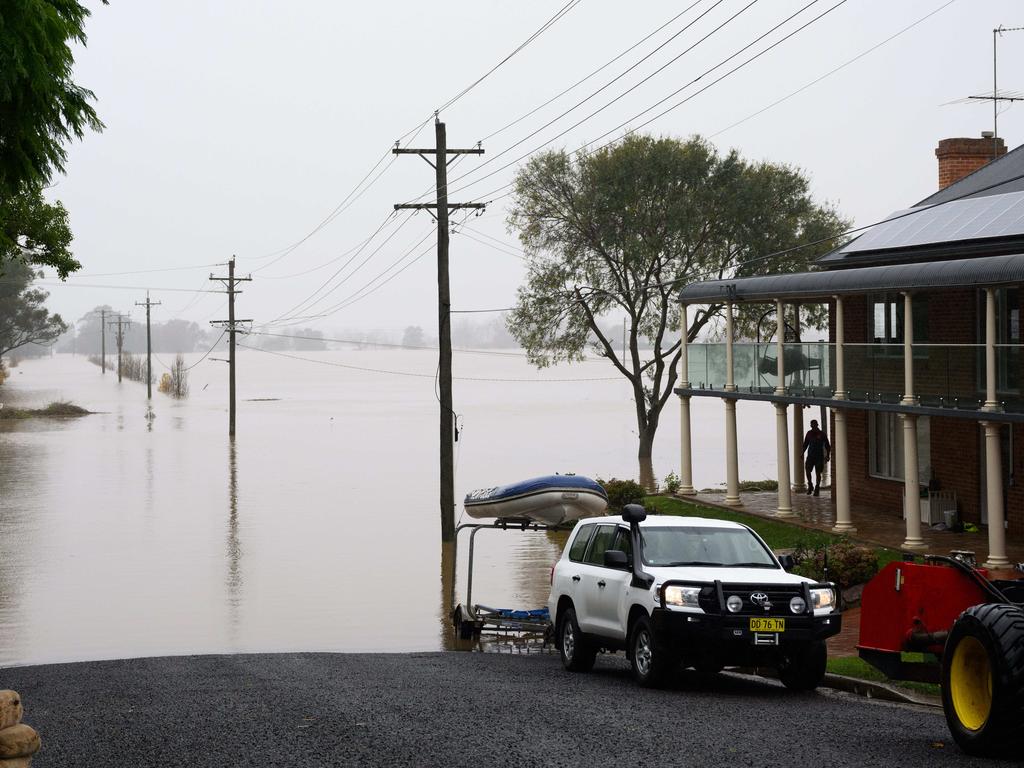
(970, 683)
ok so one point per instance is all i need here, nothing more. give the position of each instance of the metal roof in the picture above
(971, 219)
(957, 273)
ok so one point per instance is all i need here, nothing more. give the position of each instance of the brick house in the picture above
(922, 368)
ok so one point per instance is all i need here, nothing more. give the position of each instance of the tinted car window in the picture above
(602, 542)
(579, 544)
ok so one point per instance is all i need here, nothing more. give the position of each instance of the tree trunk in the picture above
(644, 455)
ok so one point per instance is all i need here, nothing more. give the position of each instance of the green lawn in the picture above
(852, 666)
(777, 534)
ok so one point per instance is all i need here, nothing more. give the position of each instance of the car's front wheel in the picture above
(803, 667)
(577, 654)
(650, 660)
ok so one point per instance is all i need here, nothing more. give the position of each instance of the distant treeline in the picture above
(172, 336)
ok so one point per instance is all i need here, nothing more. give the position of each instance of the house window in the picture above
(885, 446)
(885, 314)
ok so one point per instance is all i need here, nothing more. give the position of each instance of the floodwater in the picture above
(317, 530)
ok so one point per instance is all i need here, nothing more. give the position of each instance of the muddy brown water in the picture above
(126, 536)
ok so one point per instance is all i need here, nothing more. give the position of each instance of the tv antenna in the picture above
(996, 96)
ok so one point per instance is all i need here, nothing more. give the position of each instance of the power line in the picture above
(604, 87)
(831, 72)
(669, 96)
(583, 80)
(306, 302)
(427, 375)
(549, 23)
(363, 342)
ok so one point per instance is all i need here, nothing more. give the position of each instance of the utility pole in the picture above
(441, 208)
(121, 322)
(103, 339)
(230, 326)
(149, 346)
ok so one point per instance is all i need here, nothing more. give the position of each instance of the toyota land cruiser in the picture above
(693, 591)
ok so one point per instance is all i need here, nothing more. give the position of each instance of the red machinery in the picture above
(973, 629)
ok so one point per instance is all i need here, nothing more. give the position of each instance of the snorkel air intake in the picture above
(634, 514)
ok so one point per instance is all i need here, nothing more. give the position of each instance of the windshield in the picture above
(714, 547)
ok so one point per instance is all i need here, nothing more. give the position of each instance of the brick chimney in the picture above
(959, 157)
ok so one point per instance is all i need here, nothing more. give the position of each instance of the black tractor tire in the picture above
(649, 658)
(577, 654)
(803, 667)
(983, 679)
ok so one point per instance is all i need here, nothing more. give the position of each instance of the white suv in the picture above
(700, 592)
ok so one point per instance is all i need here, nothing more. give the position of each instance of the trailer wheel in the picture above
(577, 654)
(983, 678)
(803, 667)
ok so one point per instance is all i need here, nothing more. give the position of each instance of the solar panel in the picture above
(970, 219)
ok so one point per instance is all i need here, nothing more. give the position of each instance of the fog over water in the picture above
(122, 536)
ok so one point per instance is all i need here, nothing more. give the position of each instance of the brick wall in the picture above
(883, 495)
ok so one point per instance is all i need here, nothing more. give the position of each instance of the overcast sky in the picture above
(236, 127)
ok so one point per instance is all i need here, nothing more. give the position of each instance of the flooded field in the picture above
(123, 535)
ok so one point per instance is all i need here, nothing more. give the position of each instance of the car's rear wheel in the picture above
(577, 654)
(650, 659)
(803, 666)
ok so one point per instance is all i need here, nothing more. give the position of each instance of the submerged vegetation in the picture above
(56, 410)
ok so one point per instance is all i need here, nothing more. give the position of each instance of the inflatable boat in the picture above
(551, 500)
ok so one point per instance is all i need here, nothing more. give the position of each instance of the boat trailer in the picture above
(472, 619)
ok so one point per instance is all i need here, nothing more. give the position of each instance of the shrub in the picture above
(847, 563)
(622, 492)
(672, 482)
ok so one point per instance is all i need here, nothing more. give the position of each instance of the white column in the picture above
(732, 466)
(798, 449)
(730, 381)
(908, 353)
(685, 444)
(780, 349)
(994, 498)
(841, 475)
(840, 351)
(991, 403)
(782, 450)
(911, 484)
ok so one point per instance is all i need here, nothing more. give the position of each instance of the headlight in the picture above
(682, 596)
(797, 605)
(734, 603)
(823, 598)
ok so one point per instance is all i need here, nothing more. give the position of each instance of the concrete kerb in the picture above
(866, 688)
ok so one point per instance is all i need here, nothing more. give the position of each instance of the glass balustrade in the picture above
(808, 367)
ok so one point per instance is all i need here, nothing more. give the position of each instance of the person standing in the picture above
(818, 450)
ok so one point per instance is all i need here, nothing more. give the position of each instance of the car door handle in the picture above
(575, 578)
(601, 584)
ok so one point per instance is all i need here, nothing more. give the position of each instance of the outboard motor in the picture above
(634, 514)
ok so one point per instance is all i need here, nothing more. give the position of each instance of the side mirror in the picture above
(634, 513)
(616, 558)
(787, 562)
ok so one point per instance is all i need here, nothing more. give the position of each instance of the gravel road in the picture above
(449, 709)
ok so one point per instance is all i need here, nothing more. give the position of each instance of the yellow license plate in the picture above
(767, 625)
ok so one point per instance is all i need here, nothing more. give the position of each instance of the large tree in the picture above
(617, 232)
(23, 317)
(41, 109)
